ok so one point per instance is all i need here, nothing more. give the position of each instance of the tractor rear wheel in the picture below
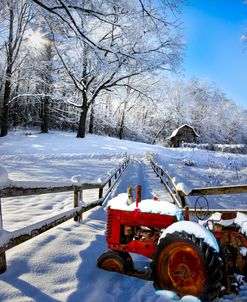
(115, 261)
(187, 265)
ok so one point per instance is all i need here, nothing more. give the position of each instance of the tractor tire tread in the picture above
(212, 261)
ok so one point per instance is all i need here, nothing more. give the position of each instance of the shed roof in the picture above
(175, 132)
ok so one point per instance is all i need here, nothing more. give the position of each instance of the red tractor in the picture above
(186, 257)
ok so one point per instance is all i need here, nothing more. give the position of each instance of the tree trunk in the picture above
(7, 88)
(91, 121)
(45, 119)
(47, 85)
(121, 128)
(82, 123)
(83, 117)
(5, 109)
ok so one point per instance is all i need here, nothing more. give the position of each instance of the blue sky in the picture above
(213, 29)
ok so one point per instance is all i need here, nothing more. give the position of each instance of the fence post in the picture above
(76, 202)
(3, 263)
(81, 194)
(183, 200)
(80, 198)
(100, 192)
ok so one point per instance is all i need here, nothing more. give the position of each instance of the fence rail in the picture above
(237, 189)
(12, 239)
(179, 197)
(168, 183)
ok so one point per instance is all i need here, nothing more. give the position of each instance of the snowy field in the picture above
(60, 265)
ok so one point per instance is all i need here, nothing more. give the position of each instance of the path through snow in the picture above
(139, 171)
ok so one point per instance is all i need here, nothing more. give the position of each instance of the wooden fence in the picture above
(12, 239)
(179, 197)
(168, 183)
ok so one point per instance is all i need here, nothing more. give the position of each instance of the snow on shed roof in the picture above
(175, 132)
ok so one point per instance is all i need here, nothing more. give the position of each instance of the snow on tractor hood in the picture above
(120, 202)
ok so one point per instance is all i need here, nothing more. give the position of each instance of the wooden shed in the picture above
(183, 134)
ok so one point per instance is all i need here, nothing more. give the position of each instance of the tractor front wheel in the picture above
(187, 265)
(115, 261)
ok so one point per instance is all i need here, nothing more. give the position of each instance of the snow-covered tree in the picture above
(115, 41)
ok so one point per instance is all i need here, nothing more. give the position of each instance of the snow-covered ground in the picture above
(60, 265)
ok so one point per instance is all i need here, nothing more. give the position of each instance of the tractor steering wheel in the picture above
(201, 207)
